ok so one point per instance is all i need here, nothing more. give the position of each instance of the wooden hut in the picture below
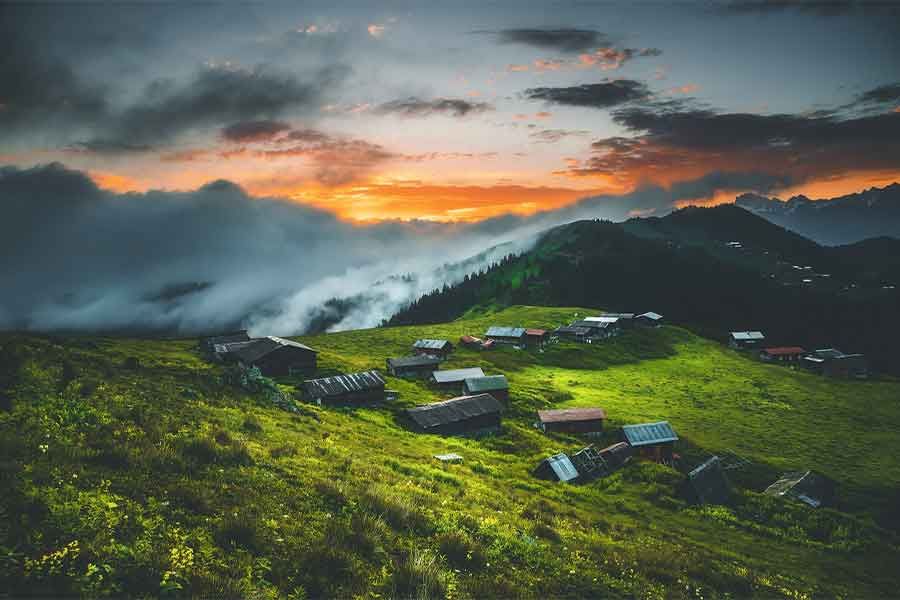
(572, 420)
(350, 389)
(743, 340)
(782, 354)
(208, 344)
(421, 365)
(536, 338)
(454, 378)
(707, 484)
(271, 355)
(831, 362)
(506, 335)
(558, 467)
(441, 348)
(654, 441)
(649, 319)
(458, 416)
(495, 385)
(808, 487)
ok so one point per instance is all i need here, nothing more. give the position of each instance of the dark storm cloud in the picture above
(593, 95)
(418, 107)
(889, 93)
(568, 40)
(253, 131)
(214, 257)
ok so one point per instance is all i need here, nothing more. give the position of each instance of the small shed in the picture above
(808, 487)
(600, 327)
(353, 389)
(742, 340)
(649, 319)
(495, 385)
(782, 354)
(421, 365)
(572, 420)
(574, 334)
(651, 440)
(506, 335)
(271, 355)
(430, 347)
(707, 484)
(558, 467)
(450, 457)
(536, 337)
(834, 363)
(455, 377)
(456, 416)
(208, 344)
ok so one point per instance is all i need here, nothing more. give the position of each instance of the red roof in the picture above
(468, 339)
(535, 332)
(782, 350)
(565, 415)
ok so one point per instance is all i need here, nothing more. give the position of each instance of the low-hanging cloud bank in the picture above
(76, 257)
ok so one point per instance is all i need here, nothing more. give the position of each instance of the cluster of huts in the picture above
(830, 362)
(591, 329)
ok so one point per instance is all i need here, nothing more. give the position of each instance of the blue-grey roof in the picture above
(431, 344)
(563, 467)
(514, 332)
(489, 383)
(457, 375)
(747, 335)
(647, 434)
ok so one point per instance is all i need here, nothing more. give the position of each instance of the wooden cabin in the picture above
(271, 355)
(782, 354)
(209, 344)
(506, 335)
(495, 385)
(744, 340)
(458, 416)
(536, 338)
(654, 441)
(574, 334)
(572, 420)
(600, 327)
(558, 467)
(421, 365)
(441, 348)
(454, 378)
(707, 483)
(366, 387)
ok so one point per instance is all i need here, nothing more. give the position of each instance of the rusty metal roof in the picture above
(454, 410)
(536, 332)
(568, 415)
(784, 350)
(340, 385)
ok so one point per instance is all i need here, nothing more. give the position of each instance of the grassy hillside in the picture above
(130, 468)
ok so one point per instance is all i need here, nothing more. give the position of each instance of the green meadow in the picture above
(132, 468)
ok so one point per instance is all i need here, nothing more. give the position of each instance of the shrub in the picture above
(240, 531)
(366, 533)
(542, 530)
(252, 425)
(398, 509)
(282, 451)
(460, 551)
(419, 576)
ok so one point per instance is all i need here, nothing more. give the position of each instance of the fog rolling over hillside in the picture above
(871, 213)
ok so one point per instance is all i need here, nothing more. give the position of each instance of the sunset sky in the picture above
(456, 111)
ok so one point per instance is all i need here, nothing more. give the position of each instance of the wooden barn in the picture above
(654, 441)
(421, 365)
(495, 385)
(454, 378)
(271, 355)
(782, 354)
(649, 319)
(441, 348)
(506, 335)
(707, 484)
(744, 340)
(350, 389)
(572, 420)
(808, 487)
(458, 416)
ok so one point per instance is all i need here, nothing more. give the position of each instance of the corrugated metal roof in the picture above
(647, 434)
(563, 467)
(457, 375)
(513, 332)
(747, 335)
(257, 348)
(570, 415)
(343, 384)
(603, 319)
(431, 344)
(828, 353)
(593, 324)
(619, 315)
(449, 457)
(535, 332)
(651, 315)
(488, 383)
(454, 410)
(783, 350)
(420, 360)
